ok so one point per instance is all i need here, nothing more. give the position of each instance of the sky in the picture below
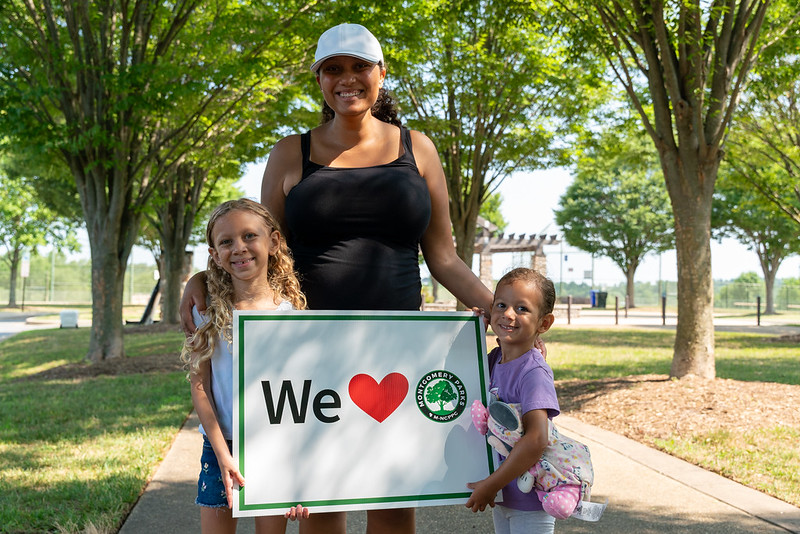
(528, 202)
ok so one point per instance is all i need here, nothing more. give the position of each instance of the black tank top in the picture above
(355, 232)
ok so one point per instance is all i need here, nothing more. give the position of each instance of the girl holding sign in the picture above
(249, 268)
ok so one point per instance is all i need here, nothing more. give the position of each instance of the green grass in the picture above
(595, 353)
(77, 453)
(766, 460)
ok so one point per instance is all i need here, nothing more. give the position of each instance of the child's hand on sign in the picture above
(231, 477)
(483, 494)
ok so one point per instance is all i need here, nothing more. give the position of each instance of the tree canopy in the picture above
(492, 84)
(742, 212)
(764, 146)
(123, 91)
(27, 223)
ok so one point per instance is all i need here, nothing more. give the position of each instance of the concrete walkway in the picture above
(15, 322)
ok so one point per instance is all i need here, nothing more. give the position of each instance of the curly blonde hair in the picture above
(219, 314)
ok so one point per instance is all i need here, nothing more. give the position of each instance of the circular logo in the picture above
(441, 396)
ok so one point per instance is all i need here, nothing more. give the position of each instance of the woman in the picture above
(357, 196)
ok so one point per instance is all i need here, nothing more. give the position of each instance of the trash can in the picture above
(593, 298)
(601, 299)
(69, 318)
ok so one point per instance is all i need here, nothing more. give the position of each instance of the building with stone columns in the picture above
(488, 242)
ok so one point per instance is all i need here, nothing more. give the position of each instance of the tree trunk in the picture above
(629, 287)
(174, 263)
(465, 241)
(694, 336)
(108, 275)
(464, 231)
(112, 233)
(174, 220)
(12, 278)
(770, 271)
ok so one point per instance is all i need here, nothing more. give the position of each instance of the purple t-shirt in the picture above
(527, 380)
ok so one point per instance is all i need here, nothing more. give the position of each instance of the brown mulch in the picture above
(789, 338)
(156, 363)
(648, 407)
(155, 328)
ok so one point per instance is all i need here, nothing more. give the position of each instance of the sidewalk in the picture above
(648, 492)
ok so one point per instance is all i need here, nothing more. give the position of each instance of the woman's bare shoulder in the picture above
(425, 153)
(286, 148)
(284, 168)
(416, 135)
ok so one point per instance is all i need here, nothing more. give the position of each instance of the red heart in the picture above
(378, 400)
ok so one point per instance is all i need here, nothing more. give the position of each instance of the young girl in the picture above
(249, 268)
(522, 310)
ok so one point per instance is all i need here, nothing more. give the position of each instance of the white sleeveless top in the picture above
(221, 394)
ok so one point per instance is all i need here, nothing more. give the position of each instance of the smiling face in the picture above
(350, 85)
(242, 245)
(516, 317)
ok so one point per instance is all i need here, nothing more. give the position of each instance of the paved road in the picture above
(13, 323)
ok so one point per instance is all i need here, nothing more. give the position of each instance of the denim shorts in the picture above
(210, 490)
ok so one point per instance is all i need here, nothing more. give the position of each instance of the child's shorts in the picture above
(210, 490)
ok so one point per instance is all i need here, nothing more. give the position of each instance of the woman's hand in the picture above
(539, 345)
(193, 295)
(297, 513)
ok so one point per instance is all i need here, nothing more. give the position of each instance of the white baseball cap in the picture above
(347, 40)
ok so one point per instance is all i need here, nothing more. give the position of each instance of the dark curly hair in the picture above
(384, 109)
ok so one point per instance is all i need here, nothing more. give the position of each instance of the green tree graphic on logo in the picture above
(441, 392)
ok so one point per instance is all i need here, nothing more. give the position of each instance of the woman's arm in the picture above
(283, 171)
(525, 453)
(437, 242)
(194, 295)
(201, 382)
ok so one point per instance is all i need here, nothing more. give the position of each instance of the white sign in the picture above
(25, 266)
(357, 410)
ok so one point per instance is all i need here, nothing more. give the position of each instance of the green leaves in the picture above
(25, 221)
(496, 88)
